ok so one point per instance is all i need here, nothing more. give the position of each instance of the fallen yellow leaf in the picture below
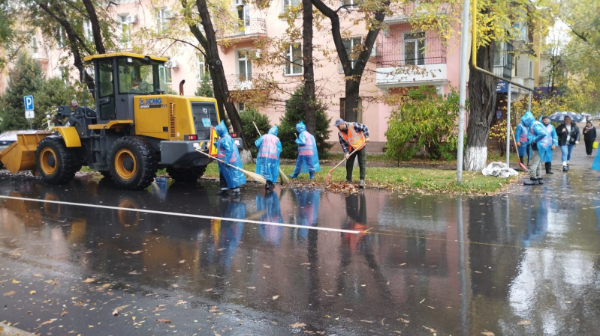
(11, 293)
(298, 325)
(88, 280)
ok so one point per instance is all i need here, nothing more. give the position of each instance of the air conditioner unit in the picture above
(131, 19)
(172, 64)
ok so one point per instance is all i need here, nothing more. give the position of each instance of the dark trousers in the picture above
(222, 181)
(589, 146)
(362, 163)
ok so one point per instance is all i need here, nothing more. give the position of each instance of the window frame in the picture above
(34, 44)
(352, 44)
(200, 67)
(417, 42)
(287, 4)
(241, 106)
(163, 16)
(248, 74)
(289, 66)
(124, 21)
(88, 30)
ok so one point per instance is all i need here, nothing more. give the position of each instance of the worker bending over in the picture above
(354, 137)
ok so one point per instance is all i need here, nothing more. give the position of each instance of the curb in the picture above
(12, 331)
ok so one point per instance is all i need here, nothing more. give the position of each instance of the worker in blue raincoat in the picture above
(267, 162)
(548, 144)
(308, 157)
(521, 134)
(227, 151)
(269, 203)
(537, 132)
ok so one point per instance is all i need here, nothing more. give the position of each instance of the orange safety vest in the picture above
(355, 140)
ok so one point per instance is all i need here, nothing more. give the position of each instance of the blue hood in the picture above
(300, 127)
(528, 119)
(274, 130)
(221, 129)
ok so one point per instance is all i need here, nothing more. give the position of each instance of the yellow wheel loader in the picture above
(134, 130)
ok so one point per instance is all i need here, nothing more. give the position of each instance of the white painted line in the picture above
(179, 214)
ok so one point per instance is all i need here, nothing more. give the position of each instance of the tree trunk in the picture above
(89, 8)
(218, 73)
(482, 99)
(308, 96)
(351, 106)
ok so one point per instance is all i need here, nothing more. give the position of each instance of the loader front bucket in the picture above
(21, 154)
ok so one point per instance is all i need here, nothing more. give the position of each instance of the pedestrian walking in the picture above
(267, 161)
(568, 138)
(537, 132)
(589, 136)
(354, 136)
(227, 151)
(522, 141)
(548, 144)
(308, 156)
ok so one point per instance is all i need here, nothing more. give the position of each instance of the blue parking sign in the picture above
(28, 103)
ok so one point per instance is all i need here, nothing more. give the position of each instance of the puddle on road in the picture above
(502, 263)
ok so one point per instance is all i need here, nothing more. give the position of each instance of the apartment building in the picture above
(398, 46)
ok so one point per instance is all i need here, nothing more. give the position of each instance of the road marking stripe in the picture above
(179, 214)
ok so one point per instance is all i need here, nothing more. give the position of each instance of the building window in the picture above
(201, 67)
(63, 73)
(162, 20)
(165, 74)
(351, 46)
(293, 60)
(349, 3)
(530, 69)
(244, 65)
(60, 37)
(241, 106)
(500, 58)
(88, 32)
(125, 31)
(243, 11)
(414, 48)
(33, 44)
(287, 4)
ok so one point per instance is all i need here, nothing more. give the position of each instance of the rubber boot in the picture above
(361, 184)
(530, 182)
(311, 175)
(565, 168)
(223, 192)
(549, 168)
(293, 176)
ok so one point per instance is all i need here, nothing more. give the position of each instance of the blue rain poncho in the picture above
(537, 130)
(521, 134)
(228, 152)
(308, 157)
(269, 149)
(545, 146)
(272, 213)
(308, 208)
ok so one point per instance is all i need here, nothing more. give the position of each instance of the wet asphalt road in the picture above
(523, 263)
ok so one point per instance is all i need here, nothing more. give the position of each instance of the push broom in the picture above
(517, 149)
(257, 177)
(337, 165)
(284, 179)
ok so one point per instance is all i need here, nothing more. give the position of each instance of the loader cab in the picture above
(121, 76)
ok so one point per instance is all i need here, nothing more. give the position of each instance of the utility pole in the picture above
(464, 63)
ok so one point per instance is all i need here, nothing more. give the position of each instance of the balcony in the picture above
(407, 58)
(237, 82)
(404, 13)
(251, 29)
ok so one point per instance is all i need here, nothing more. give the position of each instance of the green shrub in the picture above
(262, 122)
(205, 88)
(294, 113)
(424, 121)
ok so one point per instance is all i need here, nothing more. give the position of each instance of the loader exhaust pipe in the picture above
(181, 87)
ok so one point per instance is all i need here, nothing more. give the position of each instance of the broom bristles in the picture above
(257, 177)
(284, 178)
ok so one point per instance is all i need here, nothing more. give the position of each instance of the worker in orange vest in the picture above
(354, 136)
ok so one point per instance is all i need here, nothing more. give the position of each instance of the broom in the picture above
(258, 178)
(284, 179)
(337, 165)
(517, 149)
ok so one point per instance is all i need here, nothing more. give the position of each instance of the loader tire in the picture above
(186, 175)
(56, 163)
(133, 163)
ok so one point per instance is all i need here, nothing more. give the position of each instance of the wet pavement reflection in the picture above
(524, 263)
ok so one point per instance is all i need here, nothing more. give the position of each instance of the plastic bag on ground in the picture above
(499, 169)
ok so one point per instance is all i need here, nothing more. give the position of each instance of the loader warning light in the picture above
(192, 137)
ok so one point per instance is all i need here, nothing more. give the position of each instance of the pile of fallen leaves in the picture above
(342, 187)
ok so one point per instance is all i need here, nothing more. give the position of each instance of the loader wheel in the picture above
(183, 175)
(56, 163)
(133, 163)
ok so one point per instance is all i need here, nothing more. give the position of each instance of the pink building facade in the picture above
(429, 60)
